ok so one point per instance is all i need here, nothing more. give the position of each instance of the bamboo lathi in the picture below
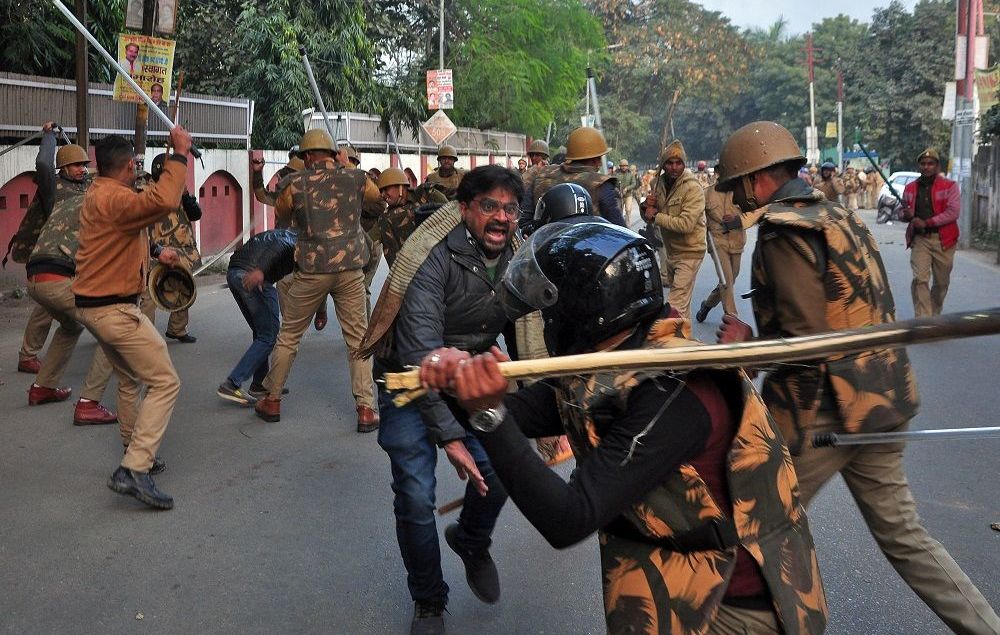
(756, 354)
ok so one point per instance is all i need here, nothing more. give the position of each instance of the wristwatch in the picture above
(488, 420)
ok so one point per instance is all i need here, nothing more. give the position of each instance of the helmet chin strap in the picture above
(749, 202)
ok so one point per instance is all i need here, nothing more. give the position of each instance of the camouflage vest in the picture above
(59, 238)
(326, 209)
(648, 589)
(447, 184)
(584, 175)
(175, 231)
(875, 390)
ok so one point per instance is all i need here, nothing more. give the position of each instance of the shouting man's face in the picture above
(491, 219)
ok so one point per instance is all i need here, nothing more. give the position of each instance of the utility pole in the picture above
(840, 115)
(441, 36)
(82, 80)
(969, 28)
(141, 109)
(812, 139)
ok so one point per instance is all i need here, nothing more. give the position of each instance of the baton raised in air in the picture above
(195, 152)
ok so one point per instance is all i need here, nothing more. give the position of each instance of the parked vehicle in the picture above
(889, 209)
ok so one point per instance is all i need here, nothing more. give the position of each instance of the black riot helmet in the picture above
(156, 167)
(563, 201)
(590, 281)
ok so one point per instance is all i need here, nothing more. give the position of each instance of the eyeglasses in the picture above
(488, 206)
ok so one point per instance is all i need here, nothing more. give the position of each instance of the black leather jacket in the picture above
(273, 252)
(451, 301)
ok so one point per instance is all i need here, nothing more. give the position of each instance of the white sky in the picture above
(800, 15)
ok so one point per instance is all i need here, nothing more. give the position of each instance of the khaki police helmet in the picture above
(586, 143)
(392, 176)
(316, 139)
(623, 163)
(447, 151)
(754, 147)
(539, 147)
(352, 154)
(172, 288)
(70, 154)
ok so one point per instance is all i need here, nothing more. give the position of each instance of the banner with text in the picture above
(150, 62)
(440, 90)
(987, 85)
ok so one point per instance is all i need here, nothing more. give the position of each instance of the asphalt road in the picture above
(288, 527)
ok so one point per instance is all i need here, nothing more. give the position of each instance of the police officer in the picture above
(447, 176)
(829, 183)
(729, 238)
(538, 153)
(175, 233)
(585, 150)
(817, 268)
(324, 202)
(677, 206)
(400, 218)
(626, 188)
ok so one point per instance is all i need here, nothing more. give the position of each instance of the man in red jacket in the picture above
(932, 206)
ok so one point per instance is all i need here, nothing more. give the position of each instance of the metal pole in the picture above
(833, 439)
(592, 84)
(82, 81)
(162, 116)
(840, 118)
(22, 142)
(813, 141)
(441, 35)
(141, 109)
(319, 98)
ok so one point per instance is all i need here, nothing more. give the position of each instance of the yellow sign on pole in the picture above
(987, 85)
(831, 130)
(150, 62)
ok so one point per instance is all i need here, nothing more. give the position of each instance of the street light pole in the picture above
(441, 36)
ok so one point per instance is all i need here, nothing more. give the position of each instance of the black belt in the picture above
(90, 302)
(715, 535)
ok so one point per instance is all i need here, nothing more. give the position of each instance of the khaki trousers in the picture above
(139, 356)
(875, 477)
(730, 263)
(176, 322)
(731, 620)
(305, 293)
(679, 276)
(928, 258)
(36, 331)
(57, 299)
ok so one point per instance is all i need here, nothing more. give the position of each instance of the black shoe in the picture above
(259, 392)
(139, 485)
(480, 571)
(186, 338)
(428, 618)
(702, 312)
(158, 466)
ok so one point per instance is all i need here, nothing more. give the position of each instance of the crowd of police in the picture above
(696, 483)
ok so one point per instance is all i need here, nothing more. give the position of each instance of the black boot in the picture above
(139, 485)
(428, 618)
(702, 312)
(480, 570)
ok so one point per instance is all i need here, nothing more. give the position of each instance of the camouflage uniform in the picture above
(586, 176)
(399, 221)
(372, 209)
(447, 184)
(649, 588)
(626, 190)
(324, 203)
(852, 185)
(173, 232)
(269, 198)
(817, 268)
(55, 252)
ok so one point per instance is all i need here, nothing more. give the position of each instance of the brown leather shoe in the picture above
(92, 413)
(40, 394)
(268, 409)
(367, 419)
(31, 366)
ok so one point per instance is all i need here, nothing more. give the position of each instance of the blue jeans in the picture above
(403, 435)
(260, 309)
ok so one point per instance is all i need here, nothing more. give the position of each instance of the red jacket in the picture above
(946, 205)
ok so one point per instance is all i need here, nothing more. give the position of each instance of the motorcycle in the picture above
(889, 209)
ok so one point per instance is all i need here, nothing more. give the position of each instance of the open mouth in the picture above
(496, 232)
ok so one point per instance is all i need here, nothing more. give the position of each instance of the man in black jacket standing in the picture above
(253, 270)
(451, 301)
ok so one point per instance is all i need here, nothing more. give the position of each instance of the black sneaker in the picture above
(428, 618)
(139, 485)
(187, 338)
(231, 392)
(480, 570)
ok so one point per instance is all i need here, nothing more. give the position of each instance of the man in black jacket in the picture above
(452, 300)
(253, 270)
